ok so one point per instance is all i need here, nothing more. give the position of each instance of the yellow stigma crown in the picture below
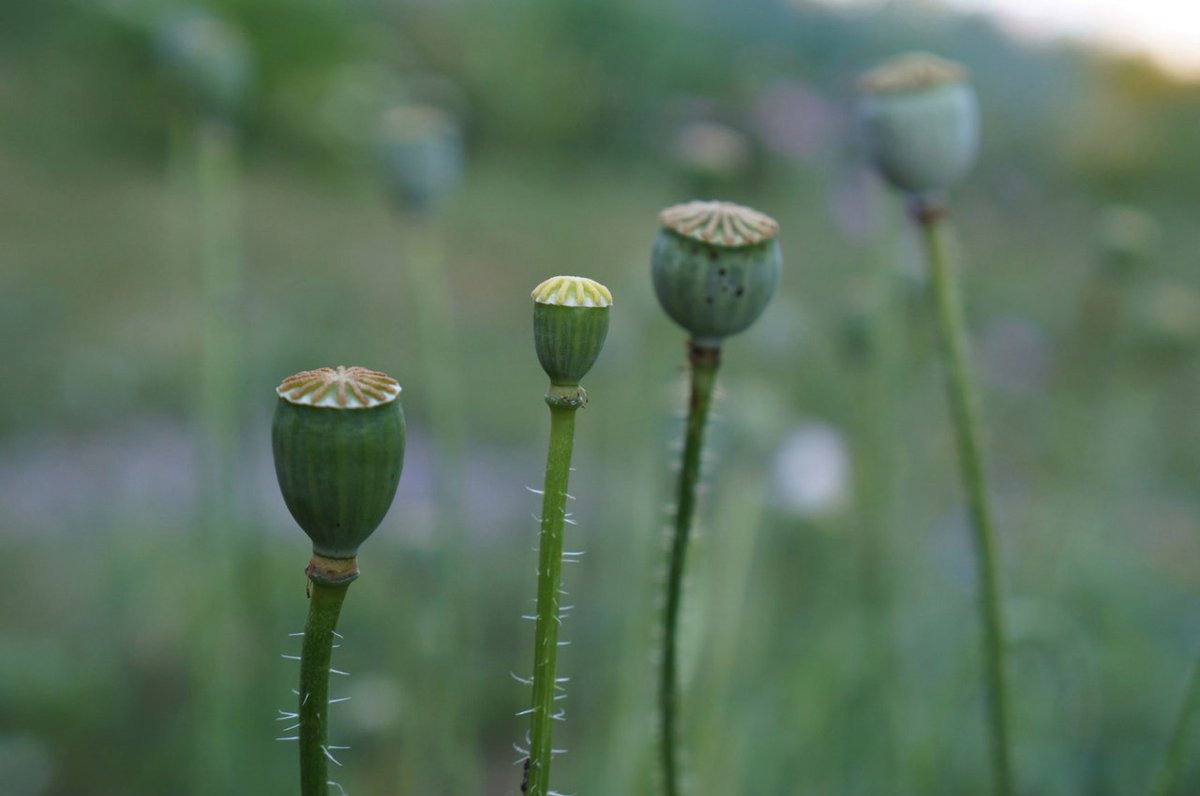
(343, 388)
(720, 223)
(572, 291)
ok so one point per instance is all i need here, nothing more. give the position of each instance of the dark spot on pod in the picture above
(708, 299)
(740, 291)
(712, 255)
(720, 271)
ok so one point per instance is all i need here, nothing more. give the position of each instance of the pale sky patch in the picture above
(1168, 31)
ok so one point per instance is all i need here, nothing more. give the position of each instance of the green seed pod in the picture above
(715, 265)
(338, 438)
(570, 323)
(920, 121)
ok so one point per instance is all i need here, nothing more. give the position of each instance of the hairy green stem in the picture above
(964, 406)
(704, 362)
(1173, 755)
(323, 610)
(550, 548)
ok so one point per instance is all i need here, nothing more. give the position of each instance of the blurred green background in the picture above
(171, 246)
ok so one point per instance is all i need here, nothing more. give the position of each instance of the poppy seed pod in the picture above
(570, 323)
(715, 265)
(421, 150)
(920, 121)
(338, 439)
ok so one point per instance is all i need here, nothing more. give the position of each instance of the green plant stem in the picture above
(965, 413)
(874, 486)
(1173, 755)
(438, 357)
(221, 277)
(222, 543)
(704, 362)
(323, 609)
(550, 547)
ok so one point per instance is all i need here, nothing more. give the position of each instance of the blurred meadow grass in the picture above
(830, 647)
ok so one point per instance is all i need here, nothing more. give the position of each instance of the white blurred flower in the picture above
(811, 476)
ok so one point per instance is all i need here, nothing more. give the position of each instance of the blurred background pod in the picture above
(919, 118)
(570, 324)
(715, 265)
(1129, 239)
(421, 152)
(1165, 324)
(206, 61)
(711, 157)
(338, 441)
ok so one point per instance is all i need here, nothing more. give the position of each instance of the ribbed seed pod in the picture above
(920, 121)
(715, 265)
(570, 323)
(338, 439)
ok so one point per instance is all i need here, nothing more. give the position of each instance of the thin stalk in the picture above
(875, 442)
(729, 601)
(177, 229)
(964, 409)
(1173, 755)
(423, 260)
(221, 277)
(704, 362)
(550, 547)
(219, 693)
(323, 611)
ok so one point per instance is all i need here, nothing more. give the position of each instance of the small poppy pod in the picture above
(570, 324)
(338, 439)
(920, 121)
(715, 265)
(421, 151)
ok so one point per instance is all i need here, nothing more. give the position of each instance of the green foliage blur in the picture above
(153, 574)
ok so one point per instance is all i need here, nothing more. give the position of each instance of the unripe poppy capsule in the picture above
(338, 439)
(570, 324)
(715, 265)
(920, 121)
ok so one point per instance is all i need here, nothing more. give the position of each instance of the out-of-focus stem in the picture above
(1173, 754)
(965, 414)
